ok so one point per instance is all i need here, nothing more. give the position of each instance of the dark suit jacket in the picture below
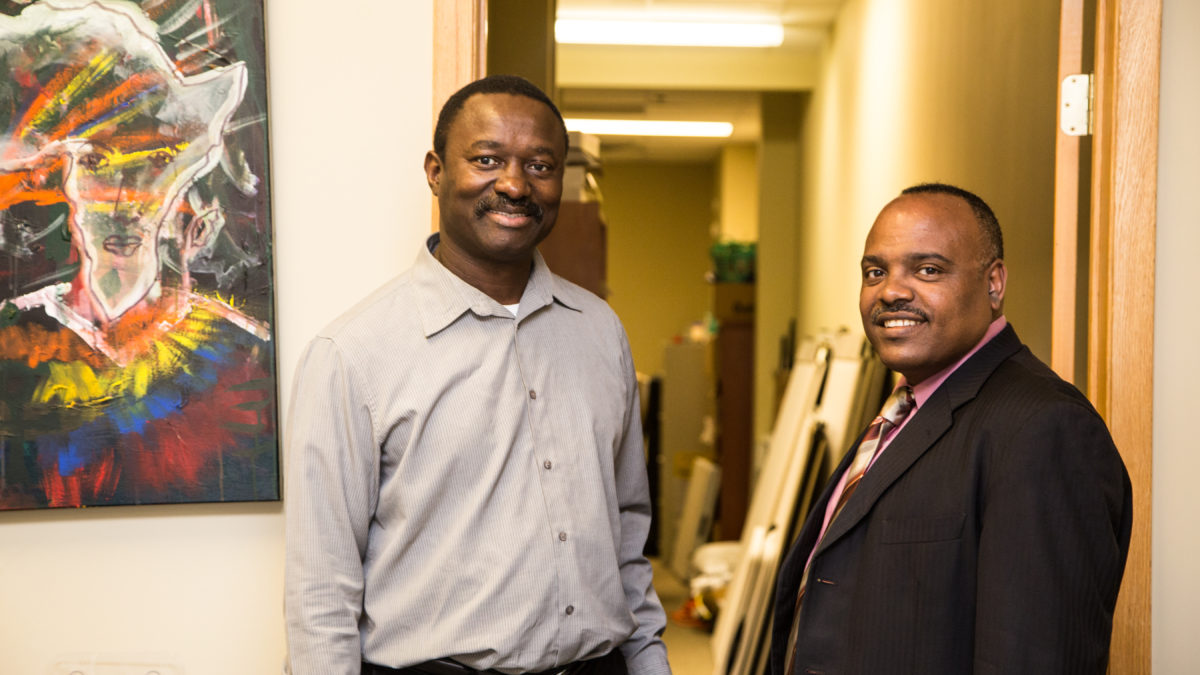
(989, 537)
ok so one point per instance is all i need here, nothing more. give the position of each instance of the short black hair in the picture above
(492, 84)
(983, 213)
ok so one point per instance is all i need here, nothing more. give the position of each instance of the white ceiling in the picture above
(689, 83)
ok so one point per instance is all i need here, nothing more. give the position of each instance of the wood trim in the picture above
(1100, 263)
(1121, 353)
(459, 39)
(459, 52)
(1065, 273)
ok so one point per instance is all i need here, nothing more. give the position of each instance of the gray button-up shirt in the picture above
(465, 484)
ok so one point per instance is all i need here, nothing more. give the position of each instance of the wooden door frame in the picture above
(1121, 307)
(1065, 270)
(1120, 344)
(459, 52)
(459, 46)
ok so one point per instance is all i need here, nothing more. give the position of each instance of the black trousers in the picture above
(612, 663)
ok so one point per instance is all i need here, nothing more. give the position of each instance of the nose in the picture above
(895, 288)
(513, 182)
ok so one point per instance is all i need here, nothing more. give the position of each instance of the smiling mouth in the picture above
(510, 210)
(512, 221)
(123, 246)
(899, 323)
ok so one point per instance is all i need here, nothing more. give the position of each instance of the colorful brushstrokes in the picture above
(136, 354)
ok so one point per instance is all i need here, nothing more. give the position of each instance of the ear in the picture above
(433, 172)
(997, 280)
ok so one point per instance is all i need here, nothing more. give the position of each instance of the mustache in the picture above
(898, 307)
(523, 206)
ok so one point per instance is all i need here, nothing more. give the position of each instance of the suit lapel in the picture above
(928, 424)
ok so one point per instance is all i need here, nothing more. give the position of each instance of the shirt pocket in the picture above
(923, 530)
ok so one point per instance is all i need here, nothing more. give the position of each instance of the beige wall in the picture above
(659, 217)
(737, 192)
(779, 225)
(1175, 545)
(200, 587)
(945, 90)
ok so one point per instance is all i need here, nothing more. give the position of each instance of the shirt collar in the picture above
(443, 297)
(922, 391)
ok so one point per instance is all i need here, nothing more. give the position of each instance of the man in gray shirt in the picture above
(466, 482)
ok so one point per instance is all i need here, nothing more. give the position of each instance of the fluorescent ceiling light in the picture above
(668, 33)
(650, 128)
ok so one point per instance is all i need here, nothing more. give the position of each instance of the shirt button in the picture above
(547, 464)
(562, 536)
(532, 394)
(570, 609)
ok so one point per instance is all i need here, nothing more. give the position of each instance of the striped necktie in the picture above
(895, 409)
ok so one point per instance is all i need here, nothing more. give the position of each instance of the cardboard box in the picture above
(733, 303)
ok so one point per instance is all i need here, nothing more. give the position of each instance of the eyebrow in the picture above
(485, 144)
(910, 258)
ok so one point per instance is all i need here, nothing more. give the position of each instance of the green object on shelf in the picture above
(733, 261)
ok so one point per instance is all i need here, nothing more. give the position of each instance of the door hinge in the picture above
(1075, 113)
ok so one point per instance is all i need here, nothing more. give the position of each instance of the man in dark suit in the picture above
(989, 532)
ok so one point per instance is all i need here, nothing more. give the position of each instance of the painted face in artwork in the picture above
(929, 290)
(126, 181)
(128, 133)
(500, 182)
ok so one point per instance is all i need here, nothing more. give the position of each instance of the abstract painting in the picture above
(137, 350)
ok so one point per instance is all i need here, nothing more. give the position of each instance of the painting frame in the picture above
(138, 360)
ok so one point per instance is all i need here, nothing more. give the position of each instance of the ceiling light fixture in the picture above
(650, 128)
(672, 33)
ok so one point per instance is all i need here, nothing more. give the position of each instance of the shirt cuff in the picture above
(650, 661)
